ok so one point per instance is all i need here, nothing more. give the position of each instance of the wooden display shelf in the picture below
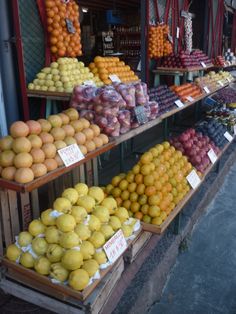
(182, 70)
(35, 184)
(160, 229)
(49, 95)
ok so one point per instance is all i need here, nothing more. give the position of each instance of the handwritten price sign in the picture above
(70, 154)
(115, 247)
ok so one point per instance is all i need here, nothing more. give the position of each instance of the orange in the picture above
(148, 180)
(142, 199)
(144, 209)
(133, 197)
(158, 185)
(154, 152)
(115, 181)
(150, 190)
(154, 211)
(126, 204)
(124, 195)
(146, 158)
(138, 215)
(123, 185)
(140, 189)
(154, 200)
(136, 169)
(157, 221)
(139, 178)
(135, 206)
(166, 145)
(109, 187)
(132, 187)
(145, 169)
(116, 192)
(119, 201)
(147, 219)
(130, 177)
(163, 215)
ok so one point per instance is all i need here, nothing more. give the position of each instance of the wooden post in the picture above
(14, 214)
(6, 217)
(95, 171)
(25, 210)
(89, 173)
(35, 204)
(75, 176)
(51, 193)
(82, 174)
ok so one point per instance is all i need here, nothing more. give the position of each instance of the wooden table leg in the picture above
(14, 213)
(6, 220)
(35, 204)
(95, 171)
(25, 210)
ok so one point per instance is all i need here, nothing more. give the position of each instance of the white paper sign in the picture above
(206, 89)
(115, 247)
(228, 136)
(70, 154)
(179, 103)
(193, 179)
(139, 67)
(203, 64)
(220, 83)
(89, 83)
(228, 79)
(114, 78)
(212, 155)
(189, 98)
(177, 32)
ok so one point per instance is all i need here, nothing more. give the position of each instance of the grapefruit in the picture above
(19, 129)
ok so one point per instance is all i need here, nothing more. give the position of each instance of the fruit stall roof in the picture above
(110, 5)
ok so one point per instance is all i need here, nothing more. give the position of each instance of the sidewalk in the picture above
(204, 278)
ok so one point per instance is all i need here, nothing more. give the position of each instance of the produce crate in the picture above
(60, 299)
(137, 246)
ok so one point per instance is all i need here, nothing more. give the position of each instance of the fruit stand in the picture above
(65, 240)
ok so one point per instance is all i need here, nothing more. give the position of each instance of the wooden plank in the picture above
(39, 299)
(89, 173)
(35, 203)
(182, 70)
(51, 193)
(137, 246)
(49, 95)
(6, 220)
(75, 176)
(14, 213)
(160, 229)
(95, 171)
(53, 174)
(82, 174)
(25, 210)
(97, 300)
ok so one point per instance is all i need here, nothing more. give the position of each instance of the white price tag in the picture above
(179, 103)
(177, 32)
(115, 247)
(206, 89)
(193, 179)
(221, 83)
(212, 155)
(89, 83)
(114, 78)
(228, 136)
(70, 154)
(235, 129)
(203, 64)
(228, 79)
(190, 98)
(139, 67)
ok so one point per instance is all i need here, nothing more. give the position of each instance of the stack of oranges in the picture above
(159, 44)
(62, 42)
(155, 185)
(103, 67)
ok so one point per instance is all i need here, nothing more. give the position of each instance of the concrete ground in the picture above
(204, 278)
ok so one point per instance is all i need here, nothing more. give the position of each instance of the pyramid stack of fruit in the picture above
(30, 151)
(159, 44)
(164, 97)
(219, 61)
(214, 80)
(66, 243)
(187, 90)
(103, 67)
(155, 185)
(62, 76)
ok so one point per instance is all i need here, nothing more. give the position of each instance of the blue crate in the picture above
(114, 17)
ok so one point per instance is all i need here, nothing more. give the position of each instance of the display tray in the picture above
(28, 187)
(43, 284)
(49, 95)
(160, 229)
(182, 70)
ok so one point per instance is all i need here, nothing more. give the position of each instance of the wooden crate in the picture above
(69, 304)
(137, 246)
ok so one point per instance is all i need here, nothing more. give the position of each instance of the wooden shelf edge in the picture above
(160, 229)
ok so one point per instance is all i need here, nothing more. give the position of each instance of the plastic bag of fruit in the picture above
(82, 96)
(141, 94)
(128, 94)
(108, 96)
(124, 118)
(109, 125)
(154, 109)
(87, 114)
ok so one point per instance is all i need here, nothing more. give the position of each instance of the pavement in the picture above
(204, 278)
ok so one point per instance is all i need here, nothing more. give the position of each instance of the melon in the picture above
(6, 143)
(51, 164)
(45, 125)
(34, 127)
(39, 170)
(7, 158)
(69, 130)
(21, 145)
(8, 173)
(24, 175)
(49, 150)
(37, 155)
(23, 160)
(19, 129)
(35, 141)
(46, 137)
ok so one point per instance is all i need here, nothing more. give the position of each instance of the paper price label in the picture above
(70, 154)
(220, 83)
(228, 79)
(179, 103)
(206, 89)
(89, 83)
(140, 114)
(189, 98)
(203, 64)
(228, 136)
(70, 26)
(193, 179)
(114, 78)
(212, 155)
(115, 247)
(177, 32)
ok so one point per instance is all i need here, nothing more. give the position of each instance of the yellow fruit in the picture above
(27, 260)
(97, 239)
(72, 259)
(124, 195)
(54, 253)
(96, 193)
(147, 219)
(107, 231)
(146, 158)
(42, 265)
(24, 238)
(13, 252)
(91, 267)
(122, 214)
(87, 249)
(136, 169)
(79, 279)
(62, 204)
(148, 180)
(145, 169)
(110, 204)
(66, 223)
(71, 194)
(115, 181)
(58, 272)
(132, 187)
(102, 213)
(127, 230)
(47, 219)
(69, 240)
(79, 213)
(123, 185)
(100, 257)
(81, 188)
(83, 231)
(36, 227)
(94, 223)
(52, 235)
(154, 211)
(115, 223)
(39, 246)
(87, 202)
(156, 221)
